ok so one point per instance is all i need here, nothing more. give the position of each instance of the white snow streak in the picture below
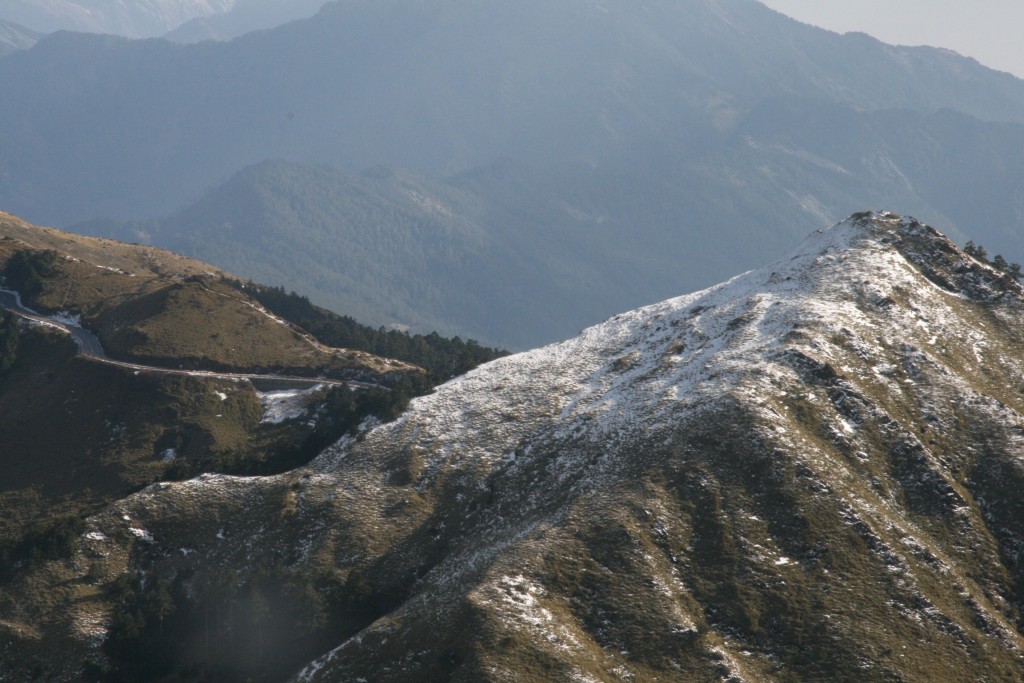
(289, 404)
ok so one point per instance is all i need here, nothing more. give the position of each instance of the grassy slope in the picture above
(77, 434)
(149, 304)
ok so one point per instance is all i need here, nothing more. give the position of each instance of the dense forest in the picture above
(441, 357)
(27, 269)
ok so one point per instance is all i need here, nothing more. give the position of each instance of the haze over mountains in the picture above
(243, 17)
(135, 18)
(644, 132)
(15, 37)
(181, 21)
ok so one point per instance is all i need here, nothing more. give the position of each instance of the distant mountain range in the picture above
(131, 18)
(809, 472)
(518, 255)
(659, 148)
(180, 21)
(243, 17)
(463, 256)
(439, 87)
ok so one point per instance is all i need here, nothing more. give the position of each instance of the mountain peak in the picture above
(816, 369)
(871, 272)
(935, 255)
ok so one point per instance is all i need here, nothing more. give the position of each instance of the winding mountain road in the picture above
(88, 343)
(90, 347)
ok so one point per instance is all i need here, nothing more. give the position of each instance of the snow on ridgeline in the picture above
(637, 369)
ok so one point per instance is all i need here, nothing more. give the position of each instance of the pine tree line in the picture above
(979, 253)
(442, 358)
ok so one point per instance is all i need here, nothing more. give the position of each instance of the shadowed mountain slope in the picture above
(809, 472)
(439, 87)
(571, 158)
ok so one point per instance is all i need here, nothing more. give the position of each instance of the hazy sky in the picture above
(991, 31)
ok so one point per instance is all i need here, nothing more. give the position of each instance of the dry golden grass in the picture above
(154, 306)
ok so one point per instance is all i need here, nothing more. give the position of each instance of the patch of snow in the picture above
(170, 455)
(428, 203)
(732, 666)
(90, 624)
(520, 601)
(221, 395)
(141, 533)
(69, 319)
(279, 406)
(579, 676)
(112, 269)
(521, 595)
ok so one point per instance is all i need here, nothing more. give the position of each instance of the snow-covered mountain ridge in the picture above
(639, 369)
(810, 472)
